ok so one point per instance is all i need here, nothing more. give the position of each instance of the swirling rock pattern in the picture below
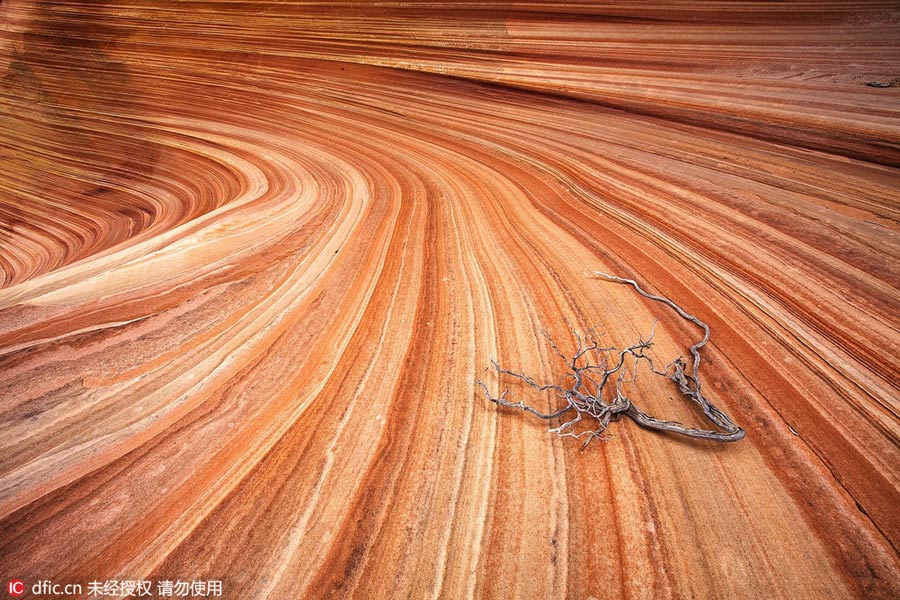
(254, 256)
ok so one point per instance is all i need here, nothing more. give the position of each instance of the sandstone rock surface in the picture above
(253, 257)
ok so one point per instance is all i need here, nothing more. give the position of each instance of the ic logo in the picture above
(16, 587)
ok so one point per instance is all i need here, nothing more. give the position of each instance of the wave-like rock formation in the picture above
(254, 257)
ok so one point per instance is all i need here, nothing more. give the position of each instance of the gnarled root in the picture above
(593, 388)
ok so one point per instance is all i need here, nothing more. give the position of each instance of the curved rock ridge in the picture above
(254, 256)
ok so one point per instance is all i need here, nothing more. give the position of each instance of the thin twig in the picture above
(586, 395)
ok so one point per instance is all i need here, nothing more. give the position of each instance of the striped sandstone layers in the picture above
(253, 258)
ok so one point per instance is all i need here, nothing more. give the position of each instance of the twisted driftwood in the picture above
(587, 395)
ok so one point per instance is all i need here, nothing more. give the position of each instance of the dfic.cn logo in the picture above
(16, 587)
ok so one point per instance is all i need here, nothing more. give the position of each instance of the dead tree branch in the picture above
(594, 386)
